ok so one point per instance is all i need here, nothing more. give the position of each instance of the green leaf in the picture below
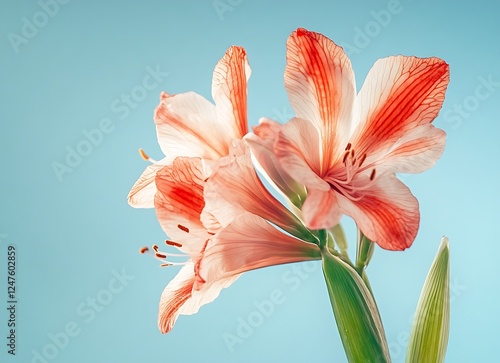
(358, 319)
(429, 335)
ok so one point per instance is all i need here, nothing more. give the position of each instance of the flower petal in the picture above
(387, 213)
(321, 87)
(218, 212)
(320, 210)
(415, 152)
(187, 125)
(261, 142)
(297, 149)
(143, 191)
(399, 94)
(178, 298)
(229, 91)
(179, 202)
(249, 243)
(238, 183)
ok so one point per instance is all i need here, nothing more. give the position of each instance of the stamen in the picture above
(372, 175)
(345, 157)
(183, 228)
(162, 256)
(143, 154)
(172, 243)
(172, 264)
(348, 147)
(146, 156)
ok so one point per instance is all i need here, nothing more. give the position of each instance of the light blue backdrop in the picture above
(65, 69)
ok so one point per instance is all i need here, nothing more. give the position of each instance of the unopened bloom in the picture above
(345, 148)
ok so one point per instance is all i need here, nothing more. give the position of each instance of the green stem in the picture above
(364, 252)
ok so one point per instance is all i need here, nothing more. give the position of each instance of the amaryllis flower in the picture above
(219, 239)
(345, 148)
(189, 125)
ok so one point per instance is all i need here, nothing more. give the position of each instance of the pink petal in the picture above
(218, 212)
(261, 142)
(297, 149)
(178, 298)
(179, 202)
(321, 87)
(229, 91)
(187, 125)
(320, 210)
(238, 183)
(177, 292)
(249, 243)
(143, 191)
(415, 152)
(399, 94)
(387, 213)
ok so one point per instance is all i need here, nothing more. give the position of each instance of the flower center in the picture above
(351, 177)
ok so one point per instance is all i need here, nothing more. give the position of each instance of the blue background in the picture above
(72, 235)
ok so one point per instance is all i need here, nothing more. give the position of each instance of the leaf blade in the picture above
(355, 311)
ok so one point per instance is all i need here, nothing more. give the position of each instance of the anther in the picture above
(143, 154)
(155, 247)
(146, 156)
(143, 250)
(348, 147)
(183, 228)
(172, 243)
(372, 175)
(345, 157)
(160, 255)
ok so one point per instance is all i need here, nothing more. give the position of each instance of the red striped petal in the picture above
(387, 214)
(229, 91)
(179, 298)
(321, 87)
(179, 201)
(249, 243)
(399, 94)
(238, 183)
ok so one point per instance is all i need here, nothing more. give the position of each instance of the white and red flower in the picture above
(345, 148)
(189, 125)
(218, 223)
